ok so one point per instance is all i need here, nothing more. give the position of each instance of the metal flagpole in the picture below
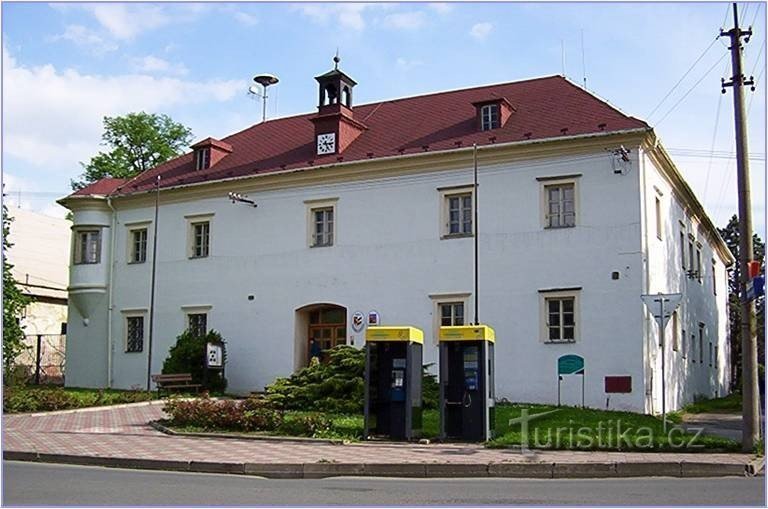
(152, 286)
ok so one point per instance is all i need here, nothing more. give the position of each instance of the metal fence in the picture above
(43, 360)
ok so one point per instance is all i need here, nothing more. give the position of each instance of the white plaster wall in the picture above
(686, 377)
(388, 256)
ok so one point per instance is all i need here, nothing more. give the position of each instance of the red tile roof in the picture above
(544, 108)
(104, 186)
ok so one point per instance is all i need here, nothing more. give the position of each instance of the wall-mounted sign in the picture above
(214, 356)
(358, 321)
(373, 318)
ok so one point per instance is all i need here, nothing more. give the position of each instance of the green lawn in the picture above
(49, 398)
(728, 404)
(560, 428)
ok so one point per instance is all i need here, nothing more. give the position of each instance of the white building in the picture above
(367, 208)
(40, 259)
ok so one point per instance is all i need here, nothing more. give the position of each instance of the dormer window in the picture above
(203, 158)
(492, 113)
(489, 117)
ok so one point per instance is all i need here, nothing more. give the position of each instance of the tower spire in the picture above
(336, 60)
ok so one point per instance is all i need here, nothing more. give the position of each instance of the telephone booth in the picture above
(393, 364)
(467, 390)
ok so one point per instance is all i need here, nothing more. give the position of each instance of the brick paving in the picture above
(123, 432)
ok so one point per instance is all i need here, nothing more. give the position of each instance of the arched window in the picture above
(346, 97)
(332, 93)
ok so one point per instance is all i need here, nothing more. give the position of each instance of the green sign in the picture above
(570, 365)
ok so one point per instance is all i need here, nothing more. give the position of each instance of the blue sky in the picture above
(66, 65)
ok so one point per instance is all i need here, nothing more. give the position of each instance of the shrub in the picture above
(307, 425)
(230, 415)
(430, 389)
(46, 399)
(335, 386)
(188, 356)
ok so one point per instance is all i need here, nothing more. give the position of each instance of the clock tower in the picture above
(335, 124)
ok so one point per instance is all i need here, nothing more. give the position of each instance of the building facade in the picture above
(368, 210)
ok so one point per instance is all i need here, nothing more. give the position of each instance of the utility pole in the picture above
(750, 393)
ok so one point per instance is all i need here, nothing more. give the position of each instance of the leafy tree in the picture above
(188, 356)
(14, 303)
(137, 142)
(731, 236)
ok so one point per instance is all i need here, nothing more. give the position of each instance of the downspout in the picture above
(109, 301)
(648, 364)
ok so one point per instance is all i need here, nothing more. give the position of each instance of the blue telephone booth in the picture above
(393, 364)
(467, 389)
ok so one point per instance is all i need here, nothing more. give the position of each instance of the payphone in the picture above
(393, 365)
(467, 389)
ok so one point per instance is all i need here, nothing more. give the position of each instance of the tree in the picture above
(14, 302)
(137, 142)
(731, 236)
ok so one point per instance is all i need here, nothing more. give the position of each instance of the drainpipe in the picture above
(111, 280)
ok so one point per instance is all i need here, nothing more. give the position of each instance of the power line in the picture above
(690, 89)
(712, 145)
(682, 78)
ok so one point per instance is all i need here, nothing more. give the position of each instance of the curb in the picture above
(415, 470)
(244, 436)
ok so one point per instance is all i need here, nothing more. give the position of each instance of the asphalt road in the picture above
(42, 484)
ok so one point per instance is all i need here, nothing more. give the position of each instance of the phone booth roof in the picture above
(467, 333)
(394, 333)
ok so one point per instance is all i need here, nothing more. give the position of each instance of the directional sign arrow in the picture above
(662, 305)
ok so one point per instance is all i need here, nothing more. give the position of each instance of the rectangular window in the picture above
(197, 323)
(561, 318)
(699, 268)
(561, 206)
(710, 354)
(690, 258)
(87, 246)
(701, 343)
(659, 223)
(693, 348)
(716, 361)
(675, 332)
(201, 239)
(682, 250)
(459, 207)
(134, 333)
(138, 246)
(202, 158)
(489, 115)
(322, 231)
(714, 279)
(682, 344)
(451, 313)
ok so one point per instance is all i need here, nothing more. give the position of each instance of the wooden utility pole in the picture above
(750, 393)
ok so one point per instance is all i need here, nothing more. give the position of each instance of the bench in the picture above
(174, 381)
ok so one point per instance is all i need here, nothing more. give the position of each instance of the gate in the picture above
(43, 359)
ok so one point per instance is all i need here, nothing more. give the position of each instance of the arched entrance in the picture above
(324, 325)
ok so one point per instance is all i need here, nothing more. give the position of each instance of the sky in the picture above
(67, 65)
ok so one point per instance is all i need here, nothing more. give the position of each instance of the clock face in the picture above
(326, 143)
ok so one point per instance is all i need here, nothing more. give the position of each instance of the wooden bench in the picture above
(175, 381)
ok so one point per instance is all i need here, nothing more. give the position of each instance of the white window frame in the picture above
(675, 331)
(78, 256)
(699, 264)
(446, 194)
(683, 346)
(659, 221)
(196, 309)
(192, 221)
(317, 205)
(439, 299)
(488, 114)
(203, 158)
(702, 328)
(134, 313)
(558, 294)
(132, 228)
(714, 277)
(683, 246)
(558, 181)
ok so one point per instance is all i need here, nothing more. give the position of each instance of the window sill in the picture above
(457, 236)
(134, 351)
(559, 341)
(197, 257)
(137, 263)
(320, 245)
(86, 263)
(560, 227)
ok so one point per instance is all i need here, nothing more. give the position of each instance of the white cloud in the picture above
(406, 64)
(481, 30)
(246, 19)
(441, 7)
(405, 20)
(153, 64)
(85, 38)
(53, 117)
(125, 21)
(348, 15)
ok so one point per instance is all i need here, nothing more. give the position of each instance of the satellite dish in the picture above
(266, 80)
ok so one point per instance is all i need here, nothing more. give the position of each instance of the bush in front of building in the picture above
(430, 389)
(18, 399)
(335, 386)
(188, 356)
(228, 415)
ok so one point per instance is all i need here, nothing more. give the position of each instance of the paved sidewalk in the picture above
(123, 432)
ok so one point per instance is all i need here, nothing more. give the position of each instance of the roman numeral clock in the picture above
(326, 143)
